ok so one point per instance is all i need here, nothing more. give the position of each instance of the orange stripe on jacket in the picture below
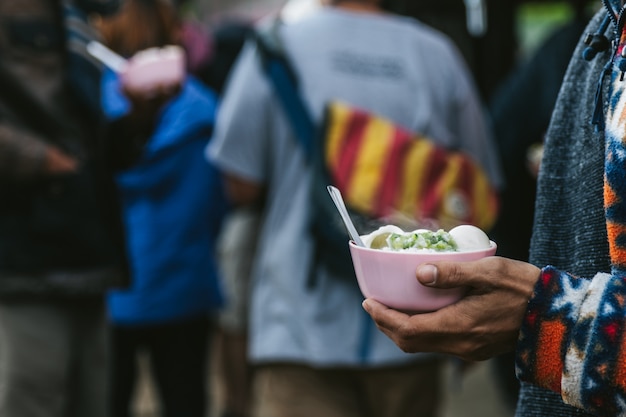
(549, 362)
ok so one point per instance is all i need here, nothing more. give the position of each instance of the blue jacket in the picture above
(173, 205)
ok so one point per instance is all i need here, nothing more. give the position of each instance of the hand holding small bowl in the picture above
(388, 276)
(149, 79)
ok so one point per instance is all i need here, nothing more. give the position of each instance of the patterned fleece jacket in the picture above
(573, 338)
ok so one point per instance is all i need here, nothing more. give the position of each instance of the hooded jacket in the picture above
(173, 204)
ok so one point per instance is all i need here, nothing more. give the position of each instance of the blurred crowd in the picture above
(169, 222)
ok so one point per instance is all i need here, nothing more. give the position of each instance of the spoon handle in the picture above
(335, 194)
(105, 55)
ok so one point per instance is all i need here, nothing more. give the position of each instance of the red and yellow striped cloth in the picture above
(383, 170)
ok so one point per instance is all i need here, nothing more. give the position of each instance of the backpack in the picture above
(385, 173)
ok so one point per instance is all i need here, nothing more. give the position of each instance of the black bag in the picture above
(327, 228)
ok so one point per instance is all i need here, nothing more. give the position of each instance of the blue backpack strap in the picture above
(281, 74)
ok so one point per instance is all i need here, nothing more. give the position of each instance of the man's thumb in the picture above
(427, 274)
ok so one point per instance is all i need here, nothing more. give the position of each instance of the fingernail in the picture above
(427, 274)
(365, 305)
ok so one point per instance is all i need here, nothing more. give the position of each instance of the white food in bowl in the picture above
(368, 239)
(468, 237)
(462, 238)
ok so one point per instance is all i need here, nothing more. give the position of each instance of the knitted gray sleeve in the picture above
(569, 230)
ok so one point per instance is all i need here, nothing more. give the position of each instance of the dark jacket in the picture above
(521, 112)
(59, 236)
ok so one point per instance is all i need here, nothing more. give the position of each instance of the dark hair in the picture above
(140, 24)
(394, 6)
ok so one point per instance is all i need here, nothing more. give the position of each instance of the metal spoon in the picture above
(335, 194)
(105, 55)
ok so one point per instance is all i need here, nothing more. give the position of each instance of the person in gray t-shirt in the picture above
(315, 343)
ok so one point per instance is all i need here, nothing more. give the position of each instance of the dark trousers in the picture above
(178, 355)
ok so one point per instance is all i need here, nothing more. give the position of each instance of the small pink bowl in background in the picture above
(154, 67)
(389, 277)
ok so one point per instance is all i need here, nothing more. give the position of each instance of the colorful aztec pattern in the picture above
(382, 169)
(573, 339)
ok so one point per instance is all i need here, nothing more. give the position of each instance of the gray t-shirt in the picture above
(391, 65)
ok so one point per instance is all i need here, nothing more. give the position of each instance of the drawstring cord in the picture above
(596, 42)
(597, 119)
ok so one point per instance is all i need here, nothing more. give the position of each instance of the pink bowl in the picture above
(389, 277)
(154, 67)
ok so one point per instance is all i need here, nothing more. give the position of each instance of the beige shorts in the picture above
(300, 391)
(236, 252)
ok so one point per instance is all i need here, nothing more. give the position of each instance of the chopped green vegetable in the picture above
(440, 241)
